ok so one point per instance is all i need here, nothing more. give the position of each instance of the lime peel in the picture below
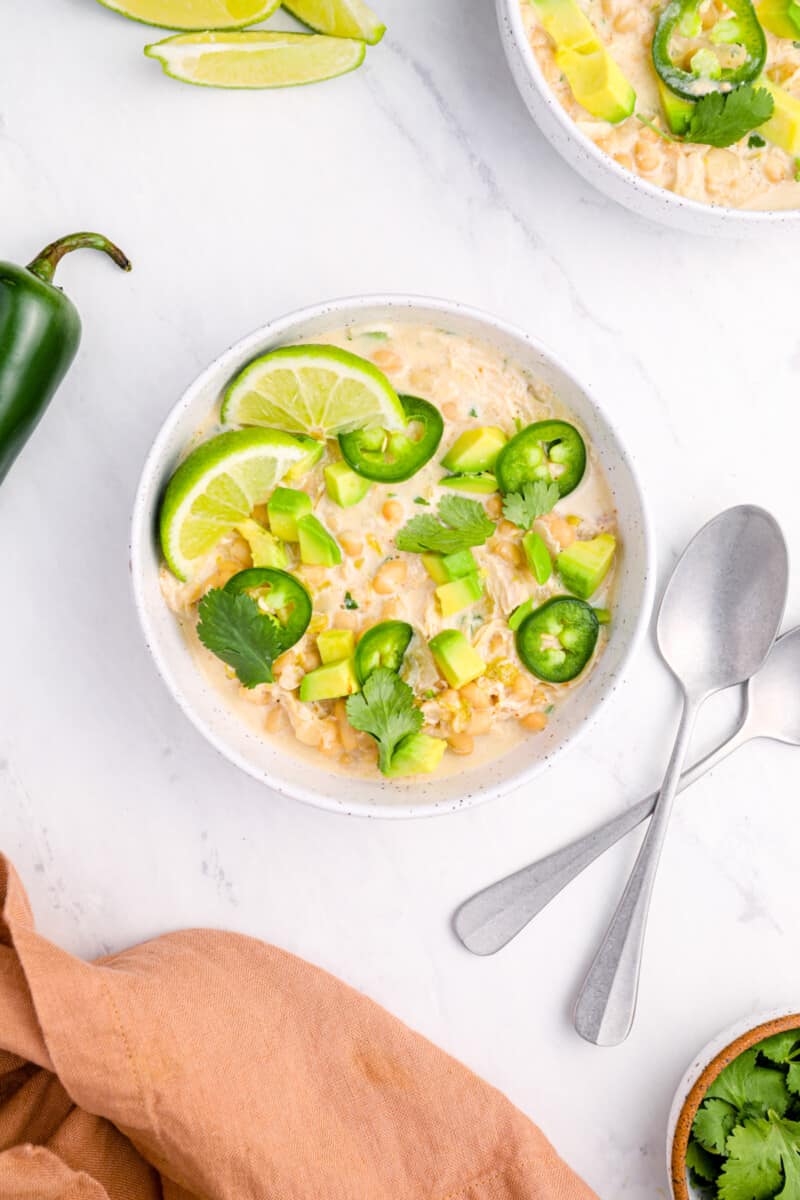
(254, 60)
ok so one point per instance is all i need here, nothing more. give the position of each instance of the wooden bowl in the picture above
(699, 1078)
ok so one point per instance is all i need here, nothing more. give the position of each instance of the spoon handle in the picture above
(607, 1002)
(490, 919)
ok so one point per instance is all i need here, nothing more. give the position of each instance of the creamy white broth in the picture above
(737, 177)
(461, 377)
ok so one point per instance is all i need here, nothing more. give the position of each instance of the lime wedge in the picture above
(195, 14)
(317, 390)
(217, 487)
(341, 18)
(256, 60)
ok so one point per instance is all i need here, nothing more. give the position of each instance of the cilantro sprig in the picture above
(534, 500)
(745, 1139)
(384, 709)
(233, 627)
(722, 118)
(458, 524)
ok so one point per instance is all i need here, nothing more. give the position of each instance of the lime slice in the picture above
(217, 487)
(319, 390)
(256, 60)
(195, 14)
(341, 18)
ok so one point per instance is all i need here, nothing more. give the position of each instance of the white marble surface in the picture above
(422, 173)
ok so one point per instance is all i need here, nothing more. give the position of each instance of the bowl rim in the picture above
(735, 1040)
(511, 10)
(348, 307)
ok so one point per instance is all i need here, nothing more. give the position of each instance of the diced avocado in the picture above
(482, 484)
(584, 565)
(520, 613)
(417, 754)
(444, 567)
(336, 644)
(265, 549)
(597, 82)
(781, 17)
(566, 22)
(783, 127)
(284, 507)
(677, 110)
(458, 594)
(330, 681)
(603, 616)
(475, 449)
(344, 486)
(317, 547)
(456, 658)
(314, 452)
(538, 556)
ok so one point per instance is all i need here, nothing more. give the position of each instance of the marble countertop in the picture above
(421, 172)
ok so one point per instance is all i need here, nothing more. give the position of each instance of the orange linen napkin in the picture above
(207, 1065)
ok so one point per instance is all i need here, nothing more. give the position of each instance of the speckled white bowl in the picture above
(264, 759)
(580, 152)
(705, 1068)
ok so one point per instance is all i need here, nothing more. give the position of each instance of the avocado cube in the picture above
(482, 484)
(336, 644)
(781, 17)
(314, 451)
(566, 22)
(596, 81)
(783, 127)
(416, 754)
(520, 613)
(584, 565)
(344, 486)
(330, 681)
(459, 593)
(265, 549)
(456, 658)
(538, 556)
(475, 450)
(677, 110)
(284, 507)
(317, 547)
(444, 567)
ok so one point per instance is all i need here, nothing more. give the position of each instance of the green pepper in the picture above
(279, 596)
(556, 641)
(392, 457)
(383, 645)
(40, 331)
(547, 451)
(707, 74)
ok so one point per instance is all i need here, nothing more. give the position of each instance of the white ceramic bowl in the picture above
(704, 1069)
(262, 758)
(580, 152)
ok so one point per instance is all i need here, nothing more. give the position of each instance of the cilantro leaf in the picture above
(722, 118)
(793, 1079)
(233, 627)
(714, 1124)
(537, 498)
(781, 1047)
(751, 1089)
(384, 709)
(763, 1154)
(703, 1164)
(459, 524)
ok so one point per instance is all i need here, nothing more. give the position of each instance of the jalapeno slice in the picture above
(386, 457)
(383, 645)
(550, 451)
(709, 75)
(557, 640)
(279, 595)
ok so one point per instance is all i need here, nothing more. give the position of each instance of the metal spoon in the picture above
(494, 916)
(719, 615)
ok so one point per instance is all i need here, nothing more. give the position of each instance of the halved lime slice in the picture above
(217, 487)
(256, 60)
(195, 14)
(319, 390)
(341, 18)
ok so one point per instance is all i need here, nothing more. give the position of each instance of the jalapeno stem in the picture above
(44, 265)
